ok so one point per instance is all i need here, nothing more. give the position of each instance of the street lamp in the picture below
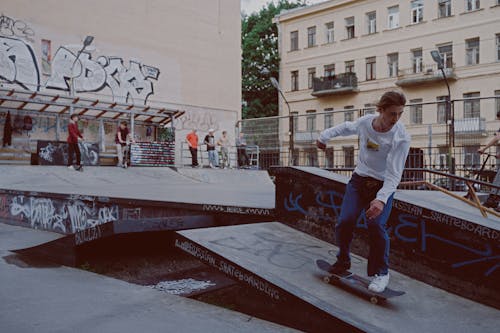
(291, 134)
(88, 40)
(450, 117)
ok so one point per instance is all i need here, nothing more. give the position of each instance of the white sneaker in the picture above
(71, 167)
(379, 283)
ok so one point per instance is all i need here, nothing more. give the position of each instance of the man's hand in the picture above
(376, 208)
(320, 145)
(480, 151)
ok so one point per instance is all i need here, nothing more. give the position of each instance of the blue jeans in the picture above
(213, 157)
(360, 191)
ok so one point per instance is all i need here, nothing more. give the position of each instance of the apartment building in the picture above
(338, 57)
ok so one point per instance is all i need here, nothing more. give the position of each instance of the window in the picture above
(392, 63)
(295, 80)
(444, 8)
(311, 74)
(472, 5)
(294, 41)
(370, 68)
(311, 36)
(417, 11)
(329, 32)
(329, 153)
(311, 157)
(348, 156)
(472, 51)
(471, 157)
(348, 114)
(393, 17)
(498, 46)
(295, 118)
(472, 106)
(328, 118)
(416, 60)
(349, 26)
(416, 111)
(497, 102)
(349, 66)
(329, 70)
(442, 159)
(311, 120)
(441, 109)
(369, 109)
(446, 52)
(371, 22)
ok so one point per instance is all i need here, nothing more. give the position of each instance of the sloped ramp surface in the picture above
(280, 262)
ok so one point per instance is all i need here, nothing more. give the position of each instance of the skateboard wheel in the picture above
(374, 300)
(326, 279)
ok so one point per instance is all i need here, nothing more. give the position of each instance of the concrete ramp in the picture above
(279, 262)
(435, 238)
(137, 199)
(228, 177)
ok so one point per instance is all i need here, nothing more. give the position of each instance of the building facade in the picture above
(340, 56)
(178, 55)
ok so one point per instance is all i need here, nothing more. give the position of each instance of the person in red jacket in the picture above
(73, 136)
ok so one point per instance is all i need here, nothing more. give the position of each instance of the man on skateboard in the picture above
(494, 197)
(384, 147)
(74, 136)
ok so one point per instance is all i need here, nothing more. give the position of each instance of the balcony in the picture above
(468, 126)
(344, 83)
(422, 74)
(306, 136)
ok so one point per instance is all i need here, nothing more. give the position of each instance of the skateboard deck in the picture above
(356, 284)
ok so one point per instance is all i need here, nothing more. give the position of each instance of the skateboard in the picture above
(356, 284)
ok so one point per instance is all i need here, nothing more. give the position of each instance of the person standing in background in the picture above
(224, 149)
(74, 136)
(192, 141)
(121, 139)
(241, 147)
(213, 159)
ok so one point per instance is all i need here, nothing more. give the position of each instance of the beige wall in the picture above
(483, 78)
(194, 45)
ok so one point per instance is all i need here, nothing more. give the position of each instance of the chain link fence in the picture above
(441, 140)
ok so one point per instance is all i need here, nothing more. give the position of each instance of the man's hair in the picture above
(73, 116)
(123, 123)
(391, 98)
(498, 114)
(224, 132)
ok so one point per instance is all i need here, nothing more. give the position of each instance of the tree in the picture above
(259, 42)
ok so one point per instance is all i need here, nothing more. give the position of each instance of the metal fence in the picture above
(441, 140)
(234, 160)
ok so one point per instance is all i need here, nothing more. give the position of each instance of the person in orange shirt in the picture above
(192, 141)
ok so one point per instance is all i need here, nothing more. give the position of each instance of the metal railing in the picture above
(421, 69)
(335, 82)
(253, 153)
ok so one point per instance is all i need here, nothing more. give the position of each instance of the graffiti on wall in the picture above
(128, 83)
(15, 28)
(201, 121)
(56, 152)
(18, 64)
(64, 216)
(411, 226)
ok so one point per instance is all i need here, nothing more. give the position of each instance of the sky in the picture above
(250, 6)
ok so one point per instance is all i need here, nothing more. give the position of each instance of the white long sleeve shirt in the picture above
(381, 155)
